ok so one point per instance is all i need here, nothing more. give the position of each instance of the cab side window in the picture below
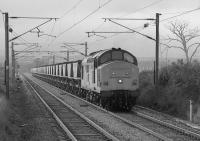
(129, 58)
(105, 58)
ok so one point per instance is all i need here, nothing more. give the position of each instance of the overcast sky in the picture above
(136, 44)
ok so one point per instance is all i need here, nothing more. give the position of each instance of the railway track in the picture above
(114, 116)
(167, 120)
(148, 124)
(172, 132)
(76, 126)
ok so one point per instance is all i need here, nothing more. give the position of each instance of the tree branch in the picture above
(178, 47)
(183, 35)
(190, 37)
(174, 29)
(194, 52)
(173, 39)
(193, 45)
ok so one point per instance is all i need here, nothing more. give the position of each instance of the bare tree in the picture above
(183, 38)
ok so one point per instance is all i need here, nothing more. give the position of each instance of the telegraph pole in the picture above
(13, 63)
(86, 48)
(67, 55)
(7, 55)
(157, 52)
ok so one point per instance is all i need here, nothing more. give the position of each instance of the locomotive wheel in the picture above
(103, 102)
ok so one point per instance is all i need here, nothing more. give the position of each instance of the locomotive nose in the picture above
(120, 81)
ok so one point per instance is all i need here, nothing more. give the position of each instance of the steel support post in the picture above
(7, 55)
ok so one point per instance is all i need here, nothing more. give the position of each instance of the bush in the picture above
(147, 91)
(146, 79)
(178, 83)
(184, 76)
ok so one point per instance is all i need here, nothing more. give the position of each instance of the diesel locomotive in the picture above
(109, 78)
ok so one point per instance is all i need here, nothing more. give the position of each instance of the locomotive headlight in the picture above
(120, 81)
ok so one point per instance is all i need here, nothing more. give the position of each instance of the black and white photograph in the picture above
(99, 70)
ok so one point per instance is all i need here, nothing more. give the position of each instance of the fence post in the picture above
(191, 113)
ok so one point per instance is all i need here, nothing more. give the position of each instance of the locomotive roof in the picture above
(94, 55)
(97, 54)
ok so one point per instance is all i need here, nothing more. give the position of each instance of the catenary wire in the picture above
(62, 16)
(142, 8)
(67, 12)
(147, 6)
(80, 21)
(52, 29)
(20, 38)
(135, 11)
(113, 35)
(183, 13)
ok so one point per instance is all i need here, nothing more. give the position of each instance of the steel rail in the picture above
(58, 120)
(101, 130)
(169, 125)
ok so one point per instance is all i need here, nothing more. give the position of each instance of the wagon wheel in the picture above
(79, 92)
(87, 96)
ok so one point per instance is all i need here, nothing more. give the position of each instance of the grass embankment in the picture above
(178, 83)
(22, 119)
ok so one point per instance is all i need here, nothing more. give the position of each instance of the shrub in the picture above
(178, 83)
(147, 90)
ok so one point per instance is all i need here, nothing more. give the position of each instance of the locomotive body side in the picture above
(89, 76)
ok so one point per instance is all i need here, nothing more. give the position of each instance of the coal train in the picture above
(108, 78)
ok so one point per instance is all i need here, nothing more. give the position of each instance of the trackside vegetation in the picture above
(178, 83)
